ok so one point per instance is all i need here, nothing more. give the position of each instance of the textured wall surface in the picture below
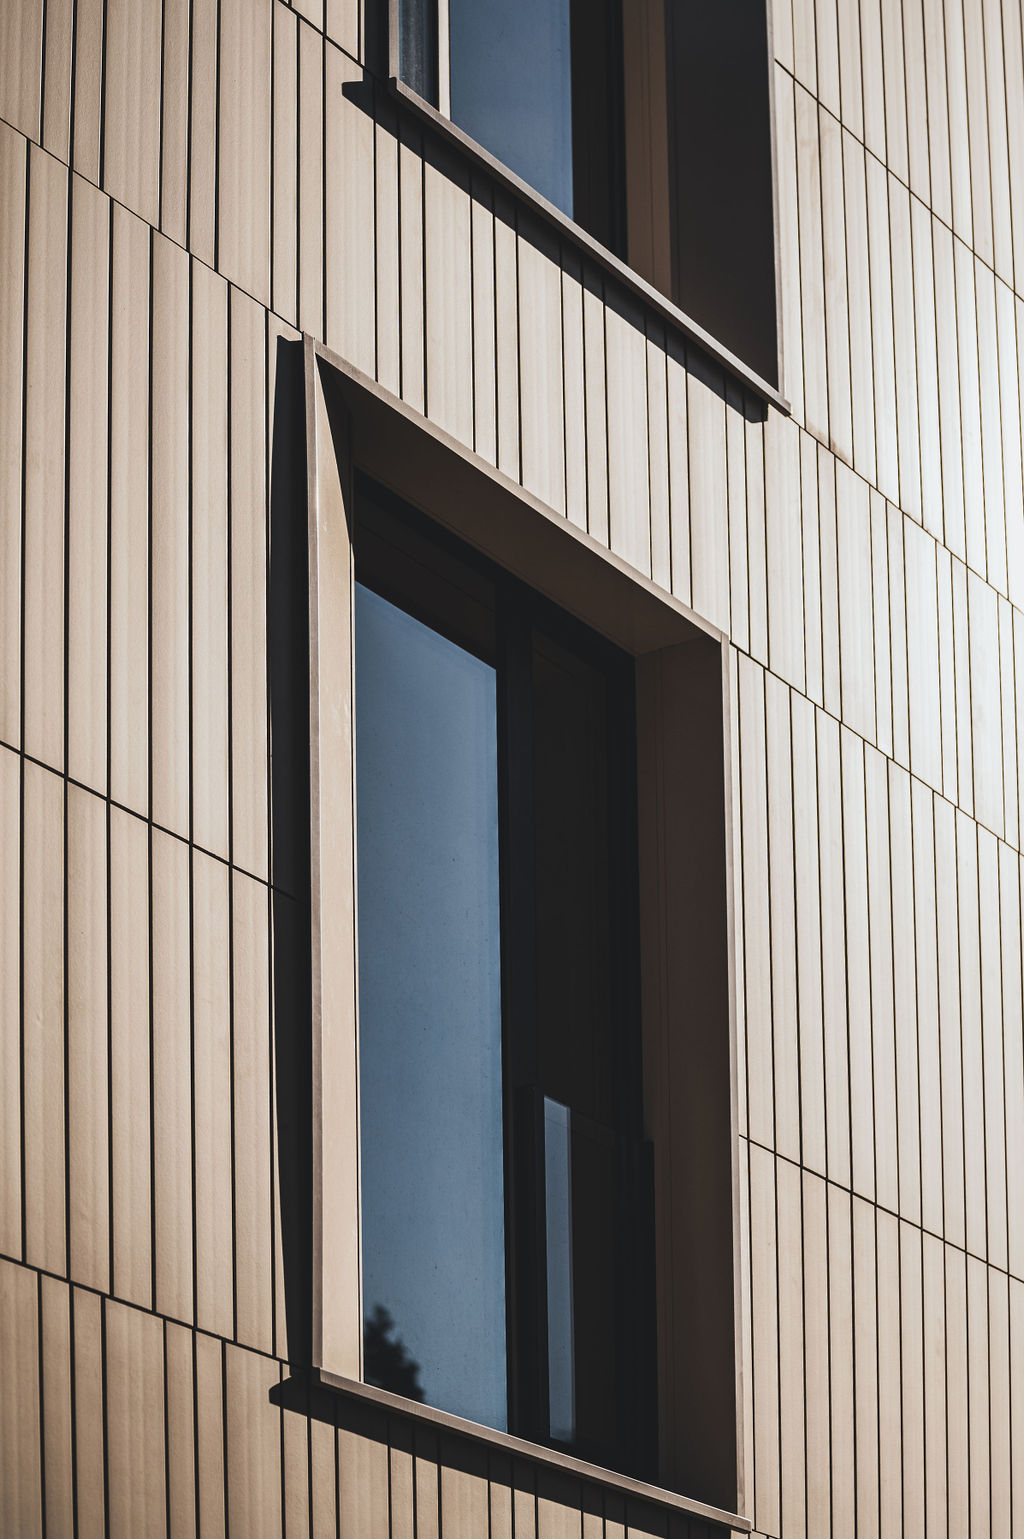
(184, 183)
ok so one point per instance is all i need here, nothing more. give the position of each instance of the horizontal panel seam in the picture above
(851, 1191)
(1017, 849)
(899, 180)
(141, 817)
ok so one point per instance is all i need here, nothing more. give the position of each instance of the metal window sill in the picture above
(580, 238)
(536, 1453)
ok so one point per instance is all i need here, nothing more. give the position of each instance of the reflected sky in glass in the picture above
(558, 1246)
(511, 87)
(429, 1010)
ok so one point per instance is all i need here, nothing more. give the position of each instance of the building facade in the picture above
(245, 272)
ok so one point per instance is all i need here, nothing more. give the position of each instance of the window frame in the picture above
(647, 217)
(682, 670)
(521, 617)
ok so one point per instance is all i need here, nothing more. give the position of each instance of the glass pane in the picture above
(511, 87)
(558, 1244)
(429, 1016)
(417, 47)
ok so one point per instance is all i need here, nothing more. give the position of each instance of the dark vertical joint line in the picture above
(796, 960)
(192, 1066)
(191, 773)
(272, 134)
(188, 147)
(69, 264)
(44, 23)
(225, 1484)
(337, 1491)
(103, 96)
(42, 1401)
(216, 150)
(107, 724)
(193, 1337)
(72, 86)
(149, 832)
(231, 837)
(72, 1388)
(297, 275)
(167, 1437)
(160, 136)
(152, 1077)
(150, 377)
(103, 1403)
(109, 488)
(110, 1055)
(323, 185)
(21, 708)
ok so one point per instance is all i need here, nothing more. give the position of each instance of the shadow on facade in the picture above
(288, 639)
(395, 118)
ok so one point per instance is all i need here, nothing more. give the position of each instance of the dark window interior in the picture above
(507, 1234)
(720, 159)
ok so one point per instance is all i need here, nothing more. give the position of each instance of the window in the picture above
(516, 627)
(505, 1179)
(646, 122)
(537, 83)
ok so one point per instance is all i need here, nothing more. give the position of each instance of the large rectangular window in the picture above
(506, 1229)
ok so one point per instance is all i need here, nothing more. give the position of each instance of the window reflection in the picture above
(429, 1015)
(511, 87)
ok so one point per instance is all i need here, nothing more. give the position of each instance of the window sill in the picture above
(535, 1452)
(600, 254)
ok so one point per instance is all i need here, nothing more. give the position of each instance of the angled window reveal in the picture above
(524, 1126)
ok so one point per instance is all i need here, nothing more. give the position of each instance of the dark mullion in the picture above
(524, 1244)
(598, 122)
(635, 1347)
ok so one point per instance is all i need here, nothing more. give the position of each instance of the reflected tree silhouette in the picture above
(386, 1359)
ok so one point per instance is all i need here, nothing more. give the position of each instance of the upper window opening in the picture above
(647, 124)
(539, 85)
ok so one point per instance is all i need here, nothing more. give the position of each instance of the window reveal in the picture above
(505, 1190)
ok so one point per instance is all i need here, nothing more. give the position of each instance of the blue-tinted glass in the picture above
(417, 46)
(558, 1247)
(429, 1016)
(511, 87)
